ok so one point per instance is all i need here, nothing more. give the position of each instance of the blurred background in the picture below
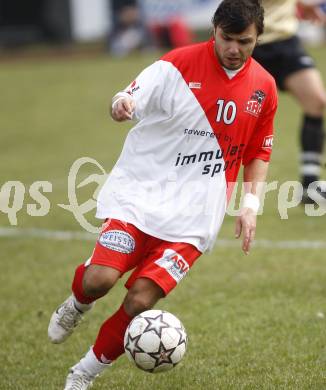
(68, 21)
(122, 25)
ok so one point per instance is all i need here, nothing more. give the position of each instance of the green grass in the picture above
(252, 321)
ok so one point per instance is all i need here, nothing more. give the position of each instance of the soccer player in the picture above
(201, 111)
(281, 53)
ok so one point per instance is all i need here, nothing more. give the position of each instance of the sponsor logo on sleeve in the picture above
(174, 264)
(268, 142)
(133, 88)
(255, 103)
(117, 240)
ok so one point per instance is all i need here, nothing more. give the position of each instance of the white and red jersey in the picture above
(195, 128)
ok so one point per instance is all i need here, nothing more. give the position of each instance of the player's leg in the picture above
(108, 346)
(82, 374)
(115, 253)
(142, 295)
(307, 87)
(295, 72)
(300, 77)
(90, 283)
(157, 275)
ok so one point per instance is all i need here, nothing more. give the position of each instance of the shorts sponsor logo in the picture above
(117, 240)
(174, 264)
(268, 142)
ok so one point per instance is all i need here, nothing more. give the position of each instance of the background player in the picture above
(281, 53)
(202, 110)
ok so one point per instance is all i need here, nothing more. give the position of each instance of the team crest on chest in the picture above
(255, 103)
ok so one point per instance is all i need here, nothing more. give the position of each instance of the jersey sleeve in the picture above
(260, 143)
(147, 90)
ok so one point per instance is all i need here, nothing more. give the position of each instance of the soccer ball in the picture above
(155, 341)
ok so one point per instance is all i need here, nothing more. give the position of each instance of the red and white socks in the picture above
(109, 342)
(90, 365)
(108, 346)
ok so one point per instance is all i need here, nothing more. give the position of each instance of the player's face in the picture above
(233, 50)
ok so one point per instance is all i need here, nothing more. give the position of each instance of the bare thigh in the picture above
(307, 87)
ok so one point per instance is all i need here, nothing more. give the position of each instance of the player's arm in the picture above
(144, 95)
(254, 174)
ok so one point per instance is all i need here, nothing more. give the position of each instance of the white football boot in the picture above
(65, 319)
(78, 380)
(82, 375)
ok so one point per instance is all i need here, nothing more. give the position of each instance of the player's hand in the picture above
(246, 225)
(123, 109)
(311, 12)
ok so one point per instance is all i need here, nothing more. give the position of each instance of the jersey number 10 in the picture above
(226, 112)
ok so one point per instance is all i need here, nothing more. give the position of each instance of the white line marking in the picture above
(277, 244)
(65, 235)
(60, 235)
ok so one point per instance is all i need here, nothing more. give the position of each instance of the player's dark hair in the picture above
(234, 16)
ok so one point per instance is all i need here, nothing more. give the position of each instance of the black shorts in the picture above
(283, 58)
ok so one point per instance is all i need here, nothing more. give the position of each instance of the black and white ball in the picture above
(155, 341)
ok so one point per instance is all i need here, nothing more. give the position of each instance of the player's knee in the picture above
(323, 101)
(98, 281)
(319, 103)
(316, 104)
(136, 302)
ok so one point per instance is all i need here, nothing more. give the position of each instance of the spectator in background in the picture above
(129, 32)
(282, 54)
(144, 23)
(165, 22)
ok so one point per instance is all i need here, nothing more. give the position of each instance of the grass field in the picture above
(254, 322)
